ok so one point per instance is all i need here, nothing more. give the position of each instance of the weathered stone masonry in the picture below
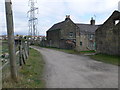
(108, 36)
(70, 35)
(62, 35)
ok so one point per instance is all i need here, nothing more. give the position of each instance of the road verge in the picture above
(30, 75)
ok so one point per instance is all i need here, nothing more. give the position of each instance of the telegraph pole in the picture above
(10, 32)
(32, 18)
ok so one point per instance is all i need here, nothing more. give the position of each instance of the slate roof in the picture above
(87, 28)
(57, 26)
(84, 28)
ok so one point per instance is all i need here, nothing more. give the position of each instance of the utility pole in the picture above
(32, 18)
(11, 44)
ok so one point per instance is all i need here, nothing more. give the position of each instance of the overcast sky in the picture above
(54, 11)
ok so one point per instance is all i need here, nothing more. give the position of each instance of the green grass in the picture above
(4, 46)
(71, 51)
(64, 50)
(115, 60)
(91, 51)
(30, 75)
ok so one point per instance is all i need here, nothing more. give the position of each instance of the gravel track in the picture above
(63, 70)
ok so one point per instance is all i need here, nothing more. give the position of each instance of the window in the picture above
(71, 34)
(90, 36)
(81, 43)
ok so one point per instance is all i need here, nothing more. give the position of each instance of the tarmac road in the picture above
(63, 70)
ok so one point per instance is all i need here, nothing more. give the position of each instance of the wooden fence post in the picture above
(11, 43)
(26, 52)
(28, 46)
(23, 55)
(20, 53)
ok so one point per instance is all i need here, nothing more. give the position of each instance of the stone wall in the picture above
(108, 36)
(84, 43)
(53, 38)
(69, 27)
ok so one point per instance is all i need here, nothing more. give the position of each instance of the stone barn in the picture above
(108, 35)
(62, 34)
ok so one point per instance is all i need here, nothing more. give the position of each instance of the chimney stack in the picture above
(92, 21)
(67, 17)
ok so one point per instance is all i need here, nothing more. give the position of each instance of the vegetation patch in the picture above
(30, 75)
(4, 46)
(111, 59)
(64, 50)
(91, 51)
(71, 51)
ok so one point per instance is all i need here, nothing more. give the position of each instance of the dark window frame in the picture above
(71, 34)
(80, 43)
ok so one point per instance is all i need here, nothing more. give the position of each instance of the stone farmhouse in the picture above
(108, 35)
(86, 37)
(70, 35)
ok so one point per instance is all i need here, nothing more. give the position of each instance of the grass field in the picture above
(4, 46)
(30, 75)
(107, 58)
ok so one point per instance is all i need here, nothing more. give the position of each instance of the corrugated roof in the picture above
(87, 28)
